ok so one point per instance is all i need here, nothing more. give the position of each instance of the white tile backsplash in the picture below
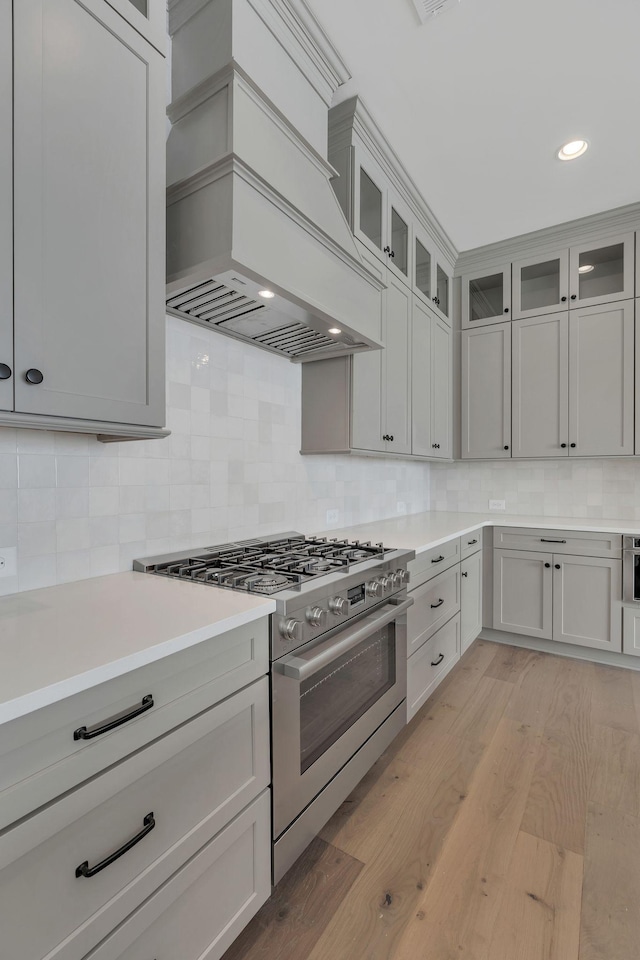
(231, 469)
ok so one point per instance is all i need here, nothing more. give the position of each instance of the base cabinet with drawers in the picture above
(121, 864)
(557, 586)
(446, 617)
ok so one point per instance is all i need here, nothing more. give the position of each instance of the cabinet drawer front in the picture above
(470, 544)
(575, 542)
(435, 602)
(432, 562)
(39, 758)
(205, 905)
(192, 781)
(430, 664)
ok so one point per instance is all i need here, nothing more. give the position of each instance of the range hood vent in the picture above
(214, 304)
(427, 9)
(250, 201)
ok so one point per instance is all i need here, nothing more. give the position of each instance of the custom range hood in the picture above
(250, 206)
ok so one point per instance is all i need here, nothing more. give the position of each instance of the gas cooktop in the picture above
(266, 566)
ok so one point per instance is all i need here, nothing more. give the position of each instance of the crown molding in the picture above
(597, 226)
(352, 117)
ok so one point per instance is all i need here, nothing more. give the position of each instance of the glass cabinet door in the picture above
(441, 299)
(541, 285)
(423, 270)
(486, 297)
(399, 255)
(147, 16)
(601, 273)
(370, 209)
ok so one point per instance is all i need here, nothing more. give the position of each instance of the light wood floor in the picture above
(502, 824)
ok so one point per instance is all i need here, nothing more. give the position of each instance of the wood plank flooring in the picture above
(502, 824)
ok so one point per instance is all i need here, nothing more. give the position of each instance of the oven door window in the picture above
(332, 699)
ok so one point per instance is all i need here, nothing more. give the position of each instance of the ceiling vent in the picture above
(427, 9)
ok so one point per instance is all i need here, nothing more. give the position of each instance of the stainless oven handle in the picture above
(299, 669)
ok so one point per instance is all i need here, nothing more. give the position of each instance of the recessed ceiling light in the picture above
(334, 330)
(587, 268)
(572, 150)
(267, 294)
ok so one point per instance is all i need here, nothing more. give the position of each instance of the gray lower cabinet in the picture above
(523, 593)
(601, 380)
(570, 599)
(486, 392)
(470, 600)
(540, 391)
(586, 602)
(6, 211)
(89, 185)
(631, 630)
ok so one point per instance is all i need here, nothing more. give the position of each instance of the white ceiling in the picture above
(477, 101)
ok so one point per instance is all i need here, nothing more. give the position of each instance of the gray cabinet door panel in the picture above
(540, 386)
(366, 401)
(441, 388)
(397, 364)
(523, 592)
(422, 319)
(601, 380)
(89, 228)
(470, 600)
(587, 608)
(6, 205)
(486, 392)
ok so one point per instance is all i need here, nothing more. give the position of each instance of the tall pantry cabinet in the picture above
(84, 348)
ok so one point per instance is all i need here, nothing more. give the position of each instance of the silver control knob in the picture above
(404, 575)
(374, 588)
(386, 583)
(315, 616)
(290, 629)
(397, 578)
(339, 606)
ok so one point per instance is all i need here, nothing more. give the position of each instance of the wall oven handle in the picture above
(299, 669)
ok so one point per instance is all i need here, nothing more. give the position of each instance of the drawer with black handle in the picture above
(471, 543)
(435, 602)
(430, 664)
(430, 563)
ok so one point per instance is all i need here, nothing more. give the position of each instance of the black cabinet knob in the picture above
(5, 371)
(34, 376)
(563, 299)
(574, 296)
(547, 565)
(506, 309)
(387, 250)
(563, 445)
(464, 573)
(391, 437)
(572, 444)
(392, 254)
(557, 566)
(506, 446)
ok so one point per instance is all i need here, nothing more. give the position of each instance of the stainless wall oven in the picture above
(329, 699)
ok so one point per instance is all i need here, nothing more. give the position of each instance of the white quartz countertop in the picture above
(422, 531)
(58, 641)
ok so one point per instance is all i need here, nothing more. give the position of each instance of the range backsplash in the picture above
(231, 469)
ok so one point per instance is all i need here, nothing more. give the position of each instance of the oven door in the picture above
(329, 697)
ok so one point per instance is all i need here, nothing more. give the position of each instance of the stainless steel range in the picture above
(338, 673)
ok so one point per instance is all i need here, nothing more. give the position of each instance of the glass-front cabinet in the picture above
(486, 296)
(541, 284)
(602, 272)
(431, 279)
(148, 17)
(380, 220)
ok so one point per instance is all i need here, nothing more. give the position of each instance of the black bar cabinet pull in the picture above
(437, 559)
(434, 663)
(549, 540)
(84, 870)
(434, 606)
(88, 733)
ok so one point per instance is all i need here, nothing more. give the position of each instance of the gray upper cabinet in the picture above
(601, 380)
(541, 284)
(89, 146)
(380, 219)
(6, 211)
(441, 388)
(486, 392)
(540, 391)
(421, 379)
(602, 271)
(486, 296)
(148, 17)
(431, 278)
(396, 362)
